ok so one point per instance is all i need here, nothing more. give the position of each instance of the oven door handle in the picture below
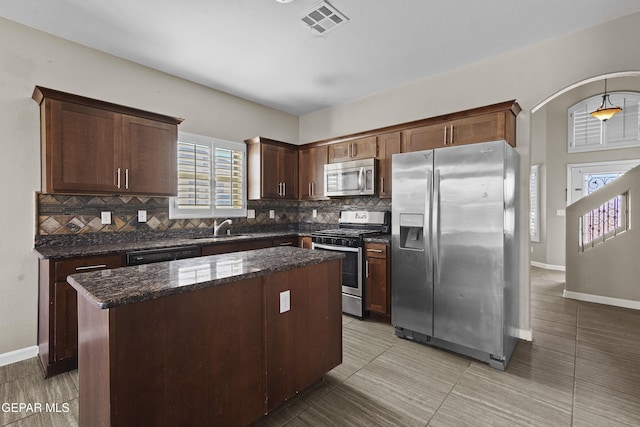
(335, 248)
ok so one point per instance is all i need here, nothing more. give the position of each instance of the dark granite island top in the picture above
(127, 285)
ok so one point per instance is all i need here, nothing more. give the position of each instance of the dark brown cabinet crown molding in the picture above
(40, 93)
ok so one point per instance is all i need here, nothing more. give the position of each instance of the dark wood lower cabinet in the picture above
(223, 355)
(378, 280)
(57, 310)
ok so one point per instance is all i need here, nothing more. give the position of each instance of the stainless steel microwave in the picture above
(354, 178)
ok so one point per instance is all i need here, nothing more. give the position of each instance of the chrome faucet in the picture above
(217, 227)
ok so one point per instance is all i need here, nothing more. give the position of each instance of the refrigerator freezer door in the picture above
(469, 216)
(412, 256)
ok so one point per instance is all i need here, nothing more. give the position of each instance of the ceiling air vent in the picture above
(323, 18)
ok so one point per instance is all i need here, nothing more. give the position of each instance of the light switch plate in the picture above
(272, 214)
(105, 217)
(142, 216)
(560, 212)
(251, 213)
(314, 213)
(285, 301)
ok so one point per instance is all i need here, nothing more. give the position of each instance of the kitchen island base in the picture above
(222, 355)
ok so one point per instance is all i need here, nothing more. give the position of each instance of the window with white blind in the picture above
(211, 178)
(586, 133)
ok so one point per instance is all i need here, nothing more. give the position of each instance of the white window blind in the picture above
(586, 133)
(211, 178)
(534, 200)
(194, 176)
(229, 167)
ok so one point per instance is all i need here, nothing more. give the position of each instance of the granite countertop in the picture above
(382, 238)
(128, 285)
(71, 251)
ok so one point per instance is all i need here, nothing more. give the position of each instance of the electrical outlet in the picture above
(285, 301)
(314, 213)
(142, 216)
(105, 217)
(272, 214)
(251, 213)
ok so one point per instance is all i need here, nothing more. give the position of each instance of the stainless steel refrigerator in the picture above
(455, 249)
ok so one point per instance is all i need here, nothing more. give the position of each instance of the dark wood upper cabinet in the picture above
(272, 169)
(388, 145)
(149, 156)
(361, 148)
(424, 138)
(490, 123)
(312, 161)
(95, 147)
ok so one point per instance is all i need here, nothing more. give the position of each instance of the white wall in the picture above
(29, 58)
(528, 75)
(549, 148)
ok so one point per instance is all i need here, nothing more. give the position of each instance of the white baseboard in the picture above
(18, 355)
(525, 334)
(599, 299)
(547, 266)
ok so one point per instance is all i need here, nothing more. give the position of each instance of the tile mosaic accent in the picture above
(78, 217)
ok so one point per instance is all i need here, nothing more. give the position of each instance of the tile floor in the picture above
(582, 369)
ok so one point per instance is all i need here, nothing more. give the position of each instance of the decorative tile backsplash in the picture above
(79, 215)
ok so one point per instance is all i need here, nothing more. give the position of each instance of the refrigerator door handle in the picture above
(436, 226)
(428, 226)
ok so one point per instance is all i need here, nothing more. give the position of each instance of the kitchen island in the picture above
(217, 340)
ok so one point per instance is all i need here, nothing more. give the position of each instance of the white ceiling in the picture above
(260, 50)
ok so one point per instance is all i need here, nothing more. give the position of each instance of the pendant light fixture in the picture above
(603, 112)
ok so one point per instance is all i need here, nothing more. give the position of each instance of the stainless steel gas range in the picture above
(354, 226)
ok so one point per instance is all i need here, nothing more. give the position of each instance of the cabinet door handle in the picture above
(451, 135)
(284, 188)
(118, 178)
(445, 135)
(279, 189)
(353, 149)
(367, 268)
(126, 178)
(382, 184)
(349, 150)
(313, 188)
(286, 244)
(378, 251)
(90, 267)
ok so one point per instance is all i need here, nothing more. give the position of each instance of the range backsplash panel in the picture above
(67, 219)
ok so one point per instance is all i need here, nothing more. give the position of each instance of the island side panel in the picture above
(305, 341)
(195, 358)
(325, 311)
(94, 365)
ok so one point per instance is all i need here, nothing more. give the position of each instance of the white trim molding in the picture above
(18, 355)
(548, 266)
(599, 299)
(525, 334)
